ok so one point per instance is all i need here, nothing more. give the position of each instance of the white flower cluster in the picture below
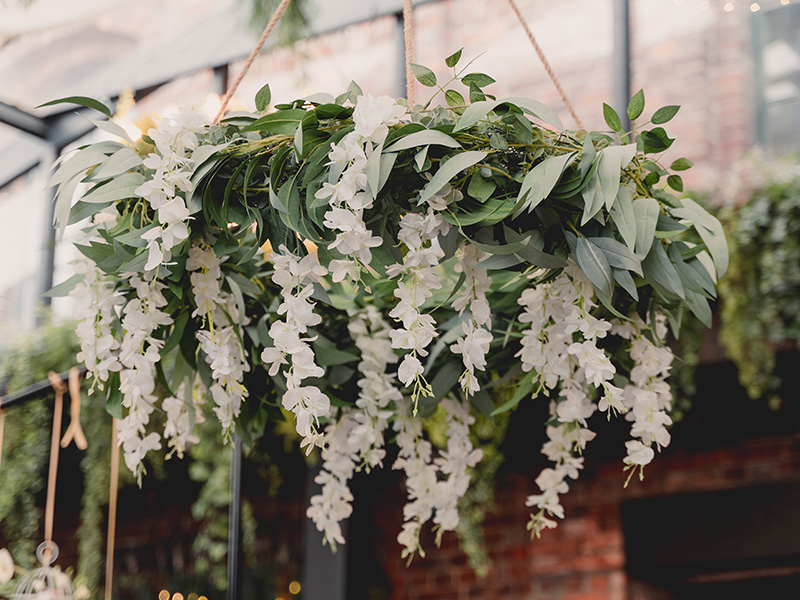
(435, 485)
(175, 140)
(474, 345)
(220, 343)
(139, 353)
(648, 397)
(296, 278)
(420, 234)
(180, 421)
(561, 348)
(96, 309)
(356, 439)
(347, 191)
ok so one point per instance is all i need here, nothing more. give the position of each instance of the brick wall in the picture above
(584, 558)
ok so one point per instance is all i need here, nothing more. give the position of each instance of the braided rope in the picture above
(408, 39)
(546, 64)
(232, 89)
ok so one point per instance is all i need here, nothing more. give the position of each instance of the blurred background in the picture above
(730, 481)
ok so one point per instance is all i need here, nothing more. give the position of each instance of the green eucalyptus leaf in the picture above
(121, 161)
(282, 122)
(710, 230)
(423, 74)
(646, 211)
(120, 188)
(618, 255)
(681, 164)
(593, 262)
(659, 269)
(453, 98)
(655, 141)
(611, 118)
(425, 137)
(263, 98)
(624, 279)
(624, 217)
(452, 60)
(81, 101)
(479, 80)
(675, 182)
(540, 181)
(65, 287)
(636, 105)
(450, 169)
(665, 114)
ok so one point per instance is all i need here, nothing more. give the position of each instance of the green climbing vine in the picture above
(760, 294)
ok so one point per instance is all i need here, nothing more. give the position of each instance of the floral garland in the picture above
(426, 257)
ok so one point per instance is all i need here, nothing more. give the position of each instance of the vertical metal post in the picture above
(324, 572)
(234, 522)
(221, 79)
(401, 56)
(47, 264)
(621, 59)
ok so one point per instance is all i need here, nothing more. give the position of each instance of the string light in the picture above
(728, 7)
(177, 596)
(294, 588)
(755, 7)
(163, 595)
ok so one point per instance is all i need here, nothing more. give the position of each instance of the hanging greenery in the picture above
(761, 293)
(360, 262)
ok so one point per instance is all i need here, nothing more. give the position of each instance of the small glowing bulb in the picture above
(212, 104)
(755, 7)
(202, 598)
(728, 7)
(192, 596)
(163, 595)
(177, 596)
(294, 587)
(785, 2)
(704, 5)
(133, 131)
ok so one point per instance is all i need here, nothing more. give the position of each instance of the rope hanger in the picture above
(408, 40)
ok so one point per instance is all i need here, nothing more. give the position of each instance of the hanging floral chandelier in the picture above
(361, 264)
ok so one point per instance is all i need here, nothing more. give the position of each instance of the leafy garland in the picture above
(761, 293)
(416, 256)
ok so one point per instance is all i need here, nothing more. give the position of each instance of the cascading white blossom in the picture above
(347, 190)
(175, 140)
(96, 309)
(181, 416)
(138, 354)
(648, 397)
(418, 278)
(333, 505)
(474, 344)
(221, 346)
(435, 485)
(296, 277)
(560, 346)
(356, 439)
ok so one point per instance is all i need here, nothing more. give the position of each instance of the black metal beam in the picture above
(33, 391)
(23, 121)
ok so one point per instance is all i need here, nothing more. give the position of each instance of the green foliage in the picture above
(761, 292)
(26, 442)
(533, 197)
